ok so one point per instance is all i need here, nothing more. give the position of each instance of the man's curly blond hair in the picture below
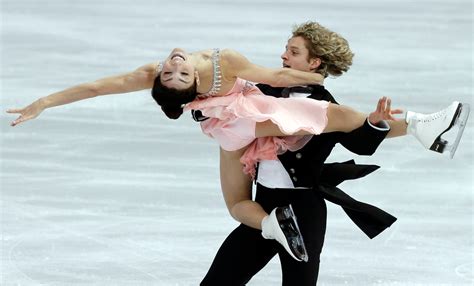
(330, 47)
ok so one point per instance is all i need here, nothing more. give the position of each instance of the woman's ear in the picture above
(314, 63)
(196, 76)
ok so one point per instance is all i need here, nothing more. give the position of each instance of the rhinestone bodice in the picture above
(216, 77)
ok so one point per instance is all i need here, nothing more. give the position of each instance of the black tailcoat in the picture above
(306, 166)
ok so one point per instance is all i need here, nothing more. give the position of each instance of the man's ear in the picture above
(196, 76)
(314, 63)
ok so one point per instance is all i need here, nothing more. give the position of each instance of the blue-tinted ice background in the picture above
(109, 192)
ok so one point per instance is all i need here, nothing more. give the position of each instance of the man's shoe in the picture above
(281, 225)
(428, 128)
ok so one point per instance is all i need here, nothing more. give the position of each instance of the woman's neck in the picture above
(205, 69)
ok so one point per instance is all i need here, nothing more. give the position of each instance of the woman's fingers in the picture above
(20, 119)
(27, 113)
(15, 110)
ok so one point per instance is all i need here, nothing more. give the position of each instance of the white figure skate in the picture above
(428, 128)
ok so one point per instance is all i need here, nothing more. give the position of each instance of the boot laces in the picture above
(432, 117)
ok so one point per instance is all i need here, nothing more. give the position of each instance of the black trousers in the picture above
(245, 252)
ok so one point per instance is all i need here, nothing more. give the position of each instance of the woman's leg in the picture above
(397, 128)
(343, 118)
(339, 118)
(280, 224)
(237, 190)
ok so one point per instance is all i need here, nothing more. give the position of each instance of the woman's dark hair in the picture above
(171, 100)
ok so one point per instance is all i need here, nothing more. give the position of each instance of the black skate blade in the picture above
(288, 224)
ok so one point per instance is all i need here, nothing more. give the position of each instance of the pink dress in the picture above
(233, 118)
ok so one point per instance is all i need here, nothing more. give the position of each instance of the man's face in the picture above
(296, 56)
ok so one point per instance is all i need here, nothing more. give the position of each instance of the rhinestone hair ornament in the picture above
(159, 67)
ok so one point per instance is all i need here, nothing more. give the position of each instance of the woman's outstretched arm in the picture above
(141, 78)
(235, 64)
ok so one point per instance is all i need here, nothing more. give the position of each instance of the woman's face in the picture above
(178, 71)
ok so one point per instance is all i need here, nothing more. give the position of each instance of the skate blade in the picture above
(443, 142)
(461, 122)
(303, 253)
(295, 232)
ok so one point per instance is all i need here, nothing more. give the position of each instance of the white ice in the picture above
(109, 192)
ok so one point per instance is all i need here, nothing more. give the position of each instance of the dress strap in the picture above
(217, 75)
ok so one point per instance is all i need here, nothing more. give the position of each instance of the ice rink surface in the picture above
(110, 192)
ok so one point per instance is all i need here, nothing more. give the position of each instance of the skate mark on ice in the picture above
(100, 241)
(465, 271)
(13, 263)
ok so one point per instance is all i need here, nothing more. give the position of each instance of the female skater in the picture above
(217, 83)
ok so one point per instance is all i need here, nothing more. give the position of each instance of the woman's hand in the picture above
(383, 111)
(30, 112)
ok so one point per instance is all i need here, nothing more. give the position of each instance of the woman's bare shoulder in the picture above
(231, 55)
(203, 54)
(234, 59)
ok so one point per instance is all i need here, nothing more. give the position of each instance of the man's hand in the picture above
(383, 111)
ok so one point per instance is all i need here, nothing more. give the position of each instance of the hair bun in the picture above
(172, 112)
(172, 100)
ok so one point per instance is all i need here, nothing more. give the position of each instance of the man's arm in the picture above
(366, 139)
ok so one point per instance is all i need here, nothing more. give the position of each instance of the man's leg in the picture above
(310, 210)
(240, 257)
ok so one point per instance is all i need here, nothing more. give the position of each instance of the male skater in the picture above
(302, 180)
